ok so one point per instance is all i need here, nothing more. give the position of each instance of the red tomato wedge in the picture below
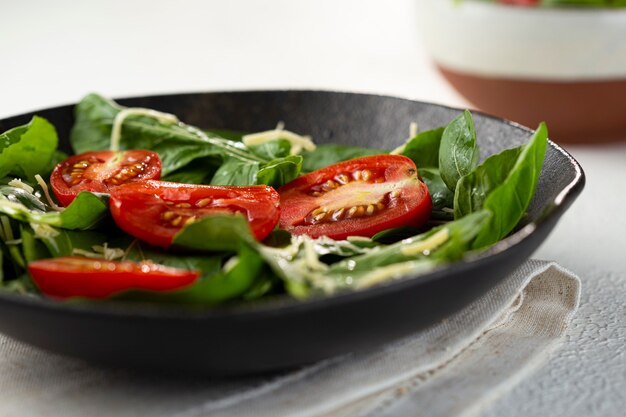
(72, 276)
(359, 197)
(101, 171)
(154, 211)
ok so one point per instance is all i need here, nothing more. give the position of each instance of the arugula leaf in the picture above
(28, 149)
(458, 153)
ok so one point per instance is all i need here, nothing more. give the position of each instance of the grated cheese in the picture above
(17, 183)
(298, 142)
(44, 187)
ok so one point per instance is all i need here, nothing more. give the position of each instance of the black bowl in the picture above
(283, 333)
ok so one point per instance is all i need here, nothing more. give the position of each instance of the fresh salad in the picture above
(149, 208)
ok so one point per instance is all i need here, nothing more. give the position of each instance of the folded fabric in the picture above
(456, 367)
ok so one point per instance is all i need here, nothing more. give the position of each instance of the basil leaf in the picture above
(215, 233)
(509, 201)
(198, 171)
(32, 248)
(185, 150)
(458, 154)
(441, 196)
(176, 144)
(279, 172)
(63, 242)
(236, 172)
(224, 285)
(423, 149)
(473, 189)
(138, 251)
(272, 149)
(27, 150)
(330, 154)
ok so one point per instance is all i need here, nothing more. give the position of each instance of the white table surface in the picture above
(55, 52)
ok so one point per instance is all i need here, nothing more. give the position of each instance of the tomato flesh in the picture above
(154, 211)
(101, 171)
(359, 197)
(72, 276)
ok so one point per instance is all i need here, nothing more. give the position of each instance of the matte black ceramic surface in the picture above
(285, 333)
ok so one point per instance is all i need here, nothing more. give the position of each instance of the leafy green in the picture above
(279, 171)
(28, 149)
(423, 149)
(458, 153)
(178, 145)
(329, 154)
(87, 211)
(235, 279)
(505, 185)
(487, 202)
(215, 233)
(300, 264)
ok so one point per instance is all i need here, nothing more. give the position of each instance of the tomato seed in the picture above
(337, 214)
(168, 215)
(342, 179)
(183, 205)
(203, 202)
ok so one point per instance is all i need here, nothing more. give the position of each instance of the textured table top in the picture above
(56, 52)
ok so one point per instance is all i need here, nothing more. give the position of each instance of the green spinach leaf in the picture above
(27, 150)
(423, 149)
(458, 153)
(330, 154)
(215, 233)
(505, 185)
(87, 211)
(233, 280)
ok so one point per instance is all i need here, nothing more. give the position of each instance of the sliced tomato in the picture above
(72, 276)
(359, 197)
(154, 211)
(101, 171)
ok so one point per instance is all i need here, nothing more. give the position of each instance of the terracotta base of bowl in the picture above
(576, 111)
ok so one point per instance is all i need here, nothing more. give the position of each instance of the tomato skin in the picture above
(101, 171)
(73, 276)
(151, 210)
(389, 195)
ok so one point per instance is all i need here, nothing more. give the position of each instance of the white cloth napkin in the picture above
(454, 368)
